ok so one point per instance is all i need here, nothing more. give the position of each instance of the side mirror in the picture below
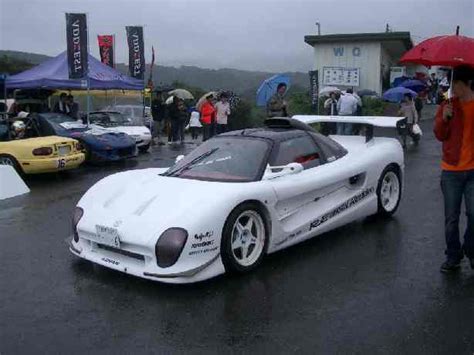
(272, 172)
(178, 158)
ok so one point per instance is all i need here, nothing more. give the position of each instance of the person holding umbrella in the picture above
(408, 110)
(277, 105)
(208, 118)
(454, 127)
(330, 107)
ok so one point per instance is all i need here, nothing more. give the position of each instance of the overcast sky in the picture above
(246, 34)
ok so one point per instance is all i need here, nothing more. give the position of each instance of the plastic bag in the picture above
(417, 130)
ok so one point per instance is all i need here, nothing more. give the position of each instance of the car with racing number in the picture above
(100, 145)
(36, 155)
(117, 122)
(237, 197)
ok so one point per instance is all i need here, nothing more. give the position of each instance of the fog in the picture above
(254, 35)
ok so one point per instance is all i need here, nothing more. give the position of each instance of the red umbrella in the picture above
(450, 51)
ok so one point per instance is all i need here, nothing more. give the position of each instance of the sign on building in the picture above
(341, 76)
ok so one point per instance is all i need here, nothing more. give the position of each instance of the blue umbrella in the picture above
(269, 87)
(415, 85)
(399, 80)
(396, 94)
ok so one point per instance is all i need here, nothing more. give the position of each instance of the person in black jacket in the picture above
(73, 107)
(158, 112)
(62, 105)
(179, 117)
(418, 106)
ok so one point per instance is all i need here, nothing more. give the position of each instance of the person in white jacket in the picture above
(346, 106)
(194, 124)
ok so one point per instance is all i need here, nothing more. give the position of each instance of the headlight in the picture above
(78, 212)
(169, 246)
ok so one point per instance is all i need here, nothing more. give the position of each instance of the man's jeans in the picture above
(344, 129)
(456, 185)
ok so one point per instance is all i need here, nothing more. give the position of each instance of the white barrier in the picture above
(11, 184)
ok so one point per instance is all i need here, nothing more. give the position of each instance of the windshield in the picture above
(126, 110)
(230, 159)
(108, 118)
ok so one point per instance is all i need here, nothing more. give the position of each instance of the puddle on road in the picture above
(10, 215)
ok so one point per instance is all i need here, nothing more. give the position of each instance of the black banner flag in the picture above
(136, 52)
(106, 49)
(314, 88)
(76, 35)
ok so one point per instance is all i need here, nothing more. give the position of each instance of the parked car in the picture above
(117, 122)
(33, 155)
(100, 145)
(137, 114)
(237, 197)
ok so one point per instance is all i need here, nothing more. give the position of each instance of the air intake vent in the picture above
(287, 123)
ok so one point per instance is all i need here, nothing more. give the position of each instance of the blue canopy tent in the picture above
(53, 74)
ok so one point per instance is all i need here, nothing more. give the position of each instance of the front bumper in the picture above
(144, 269)
(143, 141)
(113, 154)
(51, 165)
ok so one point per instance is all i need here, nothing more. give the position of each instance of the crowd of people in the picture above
(342, 104)
(437, 89)
(67, 106)
(208, 118)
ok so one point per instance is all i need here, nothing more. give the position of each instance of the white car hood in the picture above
(132, 130)
(142, 204)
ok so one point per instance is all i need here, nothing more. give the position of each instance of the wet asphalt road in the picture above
(370, 287)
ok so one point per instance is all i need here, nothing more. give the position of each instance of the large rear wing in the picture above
(368, 121)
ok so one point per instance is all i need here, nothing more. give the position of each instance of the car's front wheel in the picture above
(6, 159)
(244, 238)
(389, 191)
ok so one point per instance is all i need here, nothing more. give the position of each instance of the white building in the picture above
(360, 61)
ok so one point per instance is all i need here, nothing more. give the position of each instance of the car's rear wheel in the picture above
(244, 238)
(6, 159)
(389, 191)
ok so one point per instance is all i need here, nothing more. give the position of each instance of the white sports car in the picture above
(117, 122)
(237, 197)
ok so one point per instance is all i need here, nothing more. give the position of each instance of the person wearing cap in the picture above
(454, 127)
(18, 130)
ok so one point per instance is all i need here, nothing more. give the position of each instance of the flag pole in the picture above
(88, 76)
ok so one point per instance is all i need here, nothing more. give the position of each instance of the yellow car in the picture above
(41, 154)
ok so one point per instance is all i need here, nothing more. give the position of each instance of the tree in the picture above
(241, 116)
(299, 103)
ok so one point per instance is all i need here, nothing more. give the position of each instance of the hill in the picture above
(32, 58)
(243, 82)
